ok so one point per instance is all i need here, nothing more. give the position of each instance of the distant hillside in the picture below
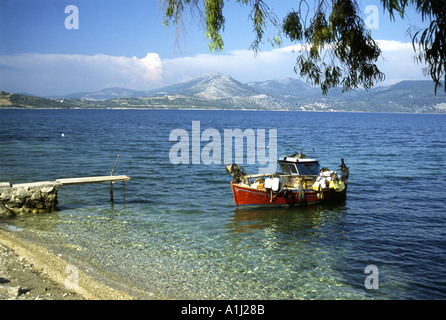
(405, 96)
(104, 94)
(216, 91)
(220, 91)
(285, 87)
(8, 100)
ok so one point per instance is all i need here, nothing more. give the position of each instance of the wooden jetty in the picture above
(96, 179)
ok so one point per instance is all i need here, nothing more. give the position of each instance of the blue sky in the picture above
(124, 43)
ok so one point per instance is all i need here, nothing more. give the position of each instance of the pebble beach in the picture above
(30, 272)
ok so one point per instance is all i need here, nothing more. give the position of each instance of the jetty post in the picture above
(112, 200)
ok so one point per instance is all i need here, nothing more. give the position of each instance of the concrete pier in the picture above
(38, 197)
(28, 197)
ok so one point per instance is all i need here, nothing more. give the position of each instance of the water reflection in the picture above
(284, 218)
(302, 250)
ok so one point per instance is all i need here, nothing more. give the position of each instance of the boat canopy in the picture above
(298, 166)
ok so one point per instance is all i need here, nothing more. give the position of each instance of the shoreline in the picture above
(31, 272)
(211, 109)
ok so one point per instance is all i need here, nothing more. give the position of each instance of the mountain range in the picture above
(220, 91)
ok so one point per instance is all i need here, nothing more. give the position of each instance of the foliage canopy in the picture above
(336, 47)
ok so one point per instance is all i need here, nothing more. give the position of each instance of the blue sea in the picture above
(178, 234)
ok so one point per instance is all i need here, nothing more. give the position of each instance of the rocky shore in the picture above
(31, 272)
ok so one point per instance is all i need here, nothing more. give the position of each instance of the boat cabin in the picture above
(298, 166)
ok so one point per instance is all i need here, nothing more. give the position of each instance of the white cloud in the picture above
(394, 46)
(47, 74)
(398, 62)
(152, 66)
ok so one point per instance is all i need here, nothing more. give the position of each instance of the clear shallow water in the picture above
(180, 235)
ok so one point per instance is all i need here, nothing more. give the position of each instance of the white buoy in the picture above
(62, 135)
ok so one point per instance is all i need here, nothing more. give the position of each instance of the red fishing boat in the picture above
(300, 182)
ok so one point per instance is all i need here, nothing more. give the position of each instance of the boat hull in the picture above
(249, 196)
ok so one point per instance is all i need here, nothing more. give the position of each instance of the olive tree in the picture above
(336, 47)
